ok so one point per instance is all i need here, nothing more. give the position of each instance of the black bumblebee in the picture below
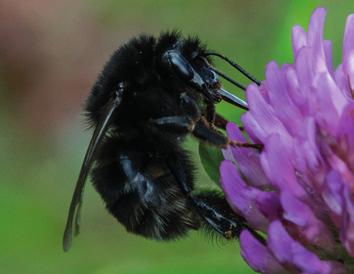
(149, 96)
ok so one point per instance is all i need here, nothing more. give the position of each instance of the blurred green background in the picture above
(50, 54)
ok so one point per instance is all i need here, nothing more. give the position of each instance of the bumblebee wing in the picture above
(76, 201)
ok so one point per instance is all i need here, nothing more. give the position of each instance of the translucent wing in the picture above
(76, 201)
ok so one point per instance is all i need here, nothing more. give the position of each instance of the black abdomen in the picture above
(150, 202)
(168, 220)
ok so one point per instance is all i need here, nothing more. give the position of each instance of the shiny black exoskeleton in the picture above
(150, 95)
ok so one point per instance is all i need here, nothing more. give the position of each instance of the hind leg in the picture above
(212, 207)
(217, 214)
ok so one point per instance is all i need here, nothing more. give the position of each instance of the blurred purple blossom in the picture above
(300, 189)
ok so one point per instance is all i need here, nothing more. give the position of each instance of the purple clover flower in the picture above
(299, 190)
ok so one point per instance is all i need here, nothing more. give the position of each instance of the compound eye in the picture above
(209, 77)
(174, 61)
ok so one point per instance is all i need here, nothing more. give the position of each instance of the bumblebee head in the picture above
(197, 73)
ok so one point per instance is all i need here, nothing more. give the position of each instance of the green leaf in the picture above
(211, 158)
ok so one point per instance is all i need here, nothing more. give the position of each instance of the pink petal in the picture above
(247, 159)
(240, 197)
(299, 39)
(258, 256)
(279, 97)
(263, 115)
(348, 51)
(315, 29)
(342, 82)
(347, 230)
(278, 153)
(329, 102)
(316, 42)
(327, 44)
(295, 92)
(304, 70)
(345, 133)
(292, 253)
(228, 155)
(307, 155)
(307, 224)
(332, 194)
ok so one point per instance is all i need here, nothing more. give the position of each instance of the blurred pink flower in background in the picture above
(300, 189)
